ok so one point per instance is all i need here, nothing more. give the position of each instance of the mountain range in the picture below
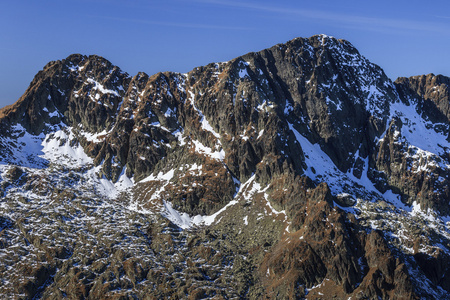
(299, 171)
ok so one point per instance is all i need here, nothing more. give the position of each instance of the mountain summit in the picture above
(298, 171)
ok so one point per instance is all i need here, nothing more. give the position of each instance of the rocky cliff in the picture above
(300, 171)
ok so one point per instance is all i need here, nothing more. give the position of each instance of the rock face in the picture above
(430, 92)
(297, 171)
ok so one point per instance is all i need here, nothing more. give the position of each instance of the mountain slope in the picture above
(297, 171)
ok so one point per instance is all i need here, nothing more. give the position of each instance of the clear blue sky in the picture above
(404, 37)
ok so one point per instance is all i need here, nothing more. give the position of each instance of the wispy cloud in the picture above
(175, 24)
(357, 22)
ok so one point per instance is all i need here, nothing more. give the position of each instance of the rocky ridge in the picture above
(300, 171)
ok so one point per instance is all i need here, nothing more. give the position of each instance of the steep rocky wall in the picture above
(282, 143)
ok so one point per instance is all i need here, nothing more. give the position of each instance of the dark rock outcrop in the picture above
(281, 143)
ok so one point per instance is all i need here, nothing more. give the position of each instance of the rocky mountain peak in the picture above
(301, 169)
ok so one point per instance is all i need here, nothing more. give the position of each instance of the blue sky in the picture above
(404, 37)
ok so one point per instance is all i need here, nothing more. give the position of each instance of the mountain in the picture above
(300, 171)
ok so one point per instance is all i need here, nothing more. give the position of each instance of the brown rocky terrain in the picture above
(300, 171)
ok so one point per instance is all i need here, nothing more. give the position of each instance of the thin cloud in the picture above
(174, 24)
(342, 19)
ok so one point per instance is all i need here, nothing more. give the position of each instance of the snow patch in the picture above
(62, 147)
(160, 176)
(22, 148)
(99, 87)
(110, 189)
(200, 148)
(320, 168)
(418, 132)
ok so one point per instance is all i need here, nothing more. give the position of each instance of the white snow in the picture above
(62, 148)
(160, 176)
(54, 113)
(206, 126)
(180, 219)
(337, 103)
(288, 108)
(200, 148)
(265, 106)
(429, 214)
(26, 148)
(179, 135)
(208, 220)
(261, 132)
(418, 132)
(107, 187)
(243, 73)
(185, 221)
(321, 168)
(98, 86)
(243, 69)
(76, 68)
(58, 147)
(95, 137)
(274, 211)
(169, 112)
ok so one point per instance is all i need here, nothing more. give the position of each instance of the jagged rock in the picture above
(15, 173)
(345, 200)
(247, 159)
(435, 266)
(431, 92)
